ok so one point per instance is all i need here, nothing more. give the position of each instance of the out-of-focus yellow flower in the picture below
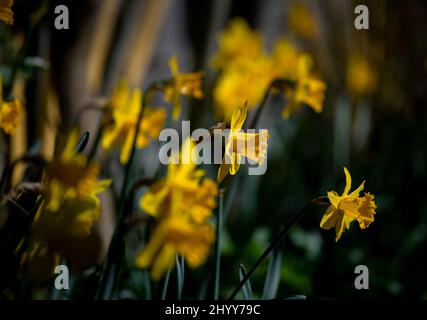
(6, 13)
(247, 72)
(285, 57)
(361, 78)
(181, 205)
(238, 43)
(242, 82)
(186, 84)
(308, 90)
(301, 21)
(240, 144)
(184, 190)
(10, 112)
(176, 235)
(125, 108)
(71, 206)
(348, 207)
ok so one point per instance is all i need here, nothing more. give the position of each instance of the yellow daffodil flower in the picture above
(348, 207)
(181, 205)
(240, 144)
(70, 208)
(186, 84)
(242, 82)
(10, 113)
(172, 236)
(125, 108)
(6, 13)
(247, 72)
(236, 44)
(308, 90)
(285, 59)
(301, 21)
(361, 78)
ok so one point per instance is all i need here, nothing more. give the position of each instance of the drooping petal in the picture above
(127, 146)
(343, 224)
(145, 258)
(163, 261)
(329, 219)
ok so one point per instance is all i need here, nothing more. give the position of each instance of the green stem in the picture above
(219, 224)
(114, 256)
(275, 243)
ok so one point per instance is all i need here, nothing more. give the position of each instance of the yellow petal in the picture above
(235, 163)
(238, 118)
(329, 219)
(163, 261)
(343, 224)
(347, 182)
(356, 192)
(334, 198)
(173, 65)
(127, 146)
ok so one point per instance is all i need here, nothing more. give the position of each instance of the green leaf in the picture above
(247, 288)
(273, 275)
(180, 275)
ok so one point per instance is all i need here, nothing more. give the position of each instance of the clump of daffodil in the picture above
(125, 107)
(247, 71)
(240, 144)
(69, 210)
(6, 13)
(301, 21)
(308, 89)
(348, 207)
(181, 205)
(10, 112)
(182, 84)
(361, 78)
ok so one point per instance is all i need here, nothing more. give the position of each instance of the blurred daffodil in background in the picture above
(309, 90)
(10, 112)
(182, 84)
(181, 205)
(348, 207)
(70, 208)
(246, 72)
(361, 77)
(125, 107)
(301, 21)
(6, 13)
